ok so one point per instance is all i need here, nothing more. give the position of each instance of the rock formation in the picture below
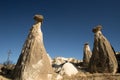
(68, 69)
(103, 58)
(33, 63)
(87, 55)
(58, 62)
(118, 59)
(61, 60)
(65, 66)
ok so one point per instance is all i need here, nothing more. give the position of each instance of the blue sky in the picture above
(67, 25)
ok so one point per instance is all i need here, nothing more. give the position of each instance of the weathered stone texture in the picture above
(33, 63)
(103, 58)
(87, 55)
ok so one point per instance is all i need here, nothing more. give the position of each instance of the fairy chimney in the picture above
(87, 55)
(33, 62)
(103, 58)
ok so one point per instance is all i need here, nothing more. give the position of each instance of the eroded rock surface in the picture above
(33, 63)
(103, 58)
(87, 55)
(68, 69)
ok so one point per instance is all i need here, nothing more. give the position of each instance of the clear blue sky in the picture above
(67, 25)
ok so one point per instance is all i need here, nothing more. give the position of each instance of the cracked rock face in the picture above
(33, 63)
(103, 58)
(87, 55)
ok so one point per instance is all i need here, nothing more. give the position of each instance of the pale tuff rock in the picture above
(59, 77)
(61, 60)
(59, 64)
(87, 55)
(50, 59)
(103, 58)
(68, 69)
(33, 63)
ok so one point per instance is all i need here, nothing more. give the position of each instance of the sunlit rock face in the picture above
(68, 69)
(87, 55)
(103, 58)
(58, 62)
(33, 63)
(65, 66)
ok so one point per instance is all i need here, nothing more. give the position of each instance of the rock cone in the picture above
(87, 55)
(33, 63)
(103, 58)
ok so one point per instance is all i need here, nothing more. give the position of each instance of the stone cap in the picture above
(38, 18)
(97, 28)
(86, 43)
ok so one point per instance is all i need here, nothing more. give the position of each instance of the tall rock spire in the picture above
(103, 58)
(87, 55)
(33, 63)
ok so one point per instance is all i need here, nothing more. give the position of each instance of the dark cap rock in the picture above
(38, 18)
(86, 43)
(96, 29)
(33, 62)
(103, 59)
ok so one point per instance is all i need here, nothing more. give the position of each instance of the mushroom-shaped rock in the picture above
(87, 55)
(97, 29)
(38, 18)
(33, 62)
(103, 58)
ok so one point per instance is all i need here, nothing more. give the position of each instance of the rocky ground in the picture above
(80, 74)
(93, 77)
